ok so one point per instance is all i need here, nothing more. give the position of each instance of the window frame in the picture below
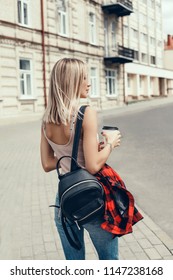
(92, 29)
(62, 15)
(26, 73)
(113, 35)
(62, 23)
(152, 60)
(21, 17)
(111, 79)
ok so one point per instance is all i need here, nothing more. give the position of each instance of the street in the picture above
(144, 160)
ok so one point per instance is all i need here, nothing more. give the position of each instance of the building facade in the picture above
(147, 76)
(121, 42)
(168, 53)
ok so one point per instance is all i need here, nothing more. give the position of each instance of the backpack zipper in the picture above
(90, 213)
(77, 222)
(90, 180)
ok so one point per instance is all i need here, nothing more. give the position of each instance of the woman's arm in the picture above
(48, 159)
(94, 159)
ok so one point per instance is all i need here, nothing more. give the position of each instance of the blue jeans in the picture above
(103, 241)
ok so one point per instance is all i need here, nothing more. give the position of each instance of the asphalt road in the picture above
(145, 160)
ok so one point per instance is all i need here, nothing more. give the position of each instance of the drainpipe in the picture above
(43, 52)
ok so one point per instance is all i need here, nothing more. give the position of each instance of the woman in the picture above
(69, 83)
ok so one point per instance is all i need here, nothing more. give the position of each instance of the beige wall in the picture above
(168, 59)
(17, 41)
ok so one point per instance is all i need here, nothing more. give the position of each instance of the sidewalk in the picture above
(27, 229)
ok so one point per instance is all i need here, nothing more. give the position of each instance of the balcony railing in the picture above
(120, 8)
(121, 55)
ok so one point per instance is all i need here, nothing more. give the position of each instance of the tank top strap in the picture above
(72, 123)
(72, 128)
(44, 129)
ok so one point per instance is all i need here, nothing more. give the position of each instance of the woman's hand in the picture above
(101, 146)
(114, 138)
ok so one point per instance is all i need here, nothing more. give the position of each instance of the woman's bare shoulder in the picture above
(90, 116)
(90, 111)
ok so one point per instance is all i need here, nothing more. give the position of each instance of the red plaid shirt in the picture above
(117, 221)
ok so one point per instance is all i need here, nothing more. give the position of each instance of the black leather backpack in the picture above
(81, 194)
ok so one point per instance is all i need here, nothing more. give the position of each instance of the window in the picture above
(125, 30)
(144, 57)
(134, 15)
(152, 41)
(151, 24)
(92, 26)
(23, 12)
(25, 78)
(94, 82)
(135, 33)
(143, 19)
(144, 37)
(62, 17)
(106, 36)
(128, 80)
(151, 4)
(136, 55)
(152, 59)
(111, 82)
(113, 35)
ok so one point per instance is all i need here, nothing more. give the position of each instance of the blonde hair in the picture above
(64, 90)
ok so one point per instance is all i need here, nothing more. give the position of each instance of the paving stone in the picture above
(91, 256)
(163, 251)
(144, 243)
(150, 224)
(153, 254)
(48, 237)
(129, 238)
(53, 256)
(165, 239)
(141, 256)
(138, 234)
(50, 247)
(135, 247)
(168, 257)
(58, 244)
(121, 241)
(127, 253)
(154, 239)
(38, 249)
(40, 257)
(26, 252)
(61, 254)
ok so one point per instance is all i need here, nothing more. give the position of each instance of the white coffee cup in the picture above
(108, 129)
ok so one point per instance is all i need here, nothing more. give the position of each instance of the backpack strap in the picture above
(74, 242)
(80, 117)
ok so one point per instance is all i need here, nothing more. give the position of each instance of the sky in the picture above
(167, 6)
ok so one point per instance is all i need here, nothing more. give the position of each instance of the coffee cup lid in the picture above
(109, 127)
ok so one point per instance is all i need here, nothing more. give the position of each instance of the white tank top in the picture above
(66, 150)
